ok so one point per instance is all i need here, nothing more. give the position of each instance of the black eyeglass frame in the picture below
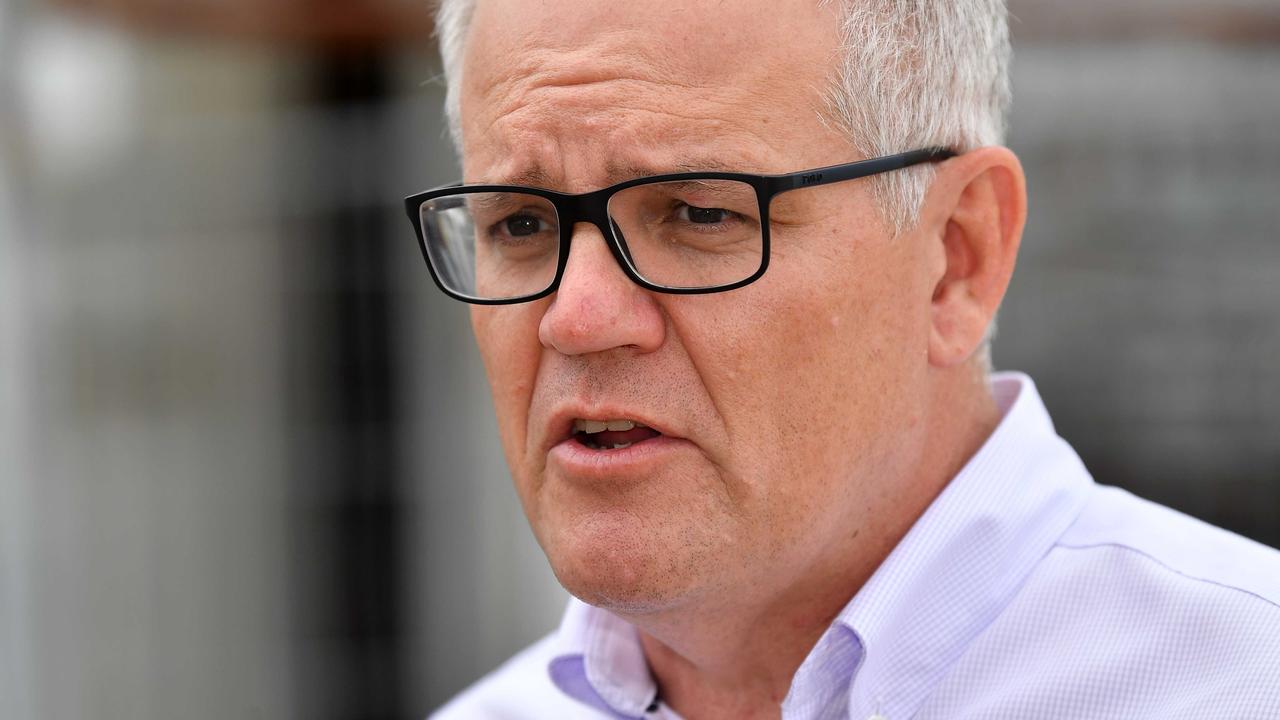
(593, 207)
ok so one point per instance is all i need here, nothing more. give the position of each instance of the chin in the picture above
(612, 563)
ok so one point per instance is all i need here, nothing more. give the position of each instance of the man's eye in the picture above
(522, 225)
(703, 216)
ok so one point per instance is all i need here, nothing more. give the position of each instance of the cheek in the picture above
(811, 366)
(855, 341)
(508, 341)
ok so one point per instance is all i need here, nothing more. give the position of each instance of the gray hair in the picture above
(912, 74)
(915, 73)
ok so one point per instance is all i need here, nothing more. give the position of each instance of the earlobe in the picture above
(979, 204)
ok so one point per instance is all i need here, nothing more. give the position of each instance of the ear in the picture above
(976, 209)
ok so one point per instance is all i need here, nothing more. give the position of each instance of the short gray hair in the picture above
(913, 74)
(920, 73)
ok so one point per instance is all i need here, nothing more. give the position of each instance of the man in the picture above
(741, 382)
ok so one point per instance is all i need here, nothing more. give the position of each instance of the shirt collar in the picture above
(966, 556)
(599, 661)
(948, 578)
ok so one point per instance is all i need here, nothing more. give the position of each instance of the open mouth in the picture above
(611, 434)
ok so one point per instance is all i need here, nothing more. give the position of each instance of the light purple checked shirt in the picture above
(1024, 592)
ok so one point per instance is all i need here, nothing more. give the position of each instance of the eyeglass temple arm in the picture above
(852, 171)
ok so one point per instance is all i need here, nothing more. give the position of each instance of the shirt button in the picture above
(877, 716)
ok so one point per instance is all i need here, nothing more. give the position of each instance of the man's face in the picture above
(785, 408)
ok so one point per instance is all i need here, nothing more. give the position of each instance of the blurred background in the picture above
(248, 467)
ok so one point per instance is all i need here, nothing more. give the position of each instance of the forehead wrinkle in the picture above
(602, 103)
(547, 104)
(530, 148)
(518, 52)
(614, 143)
(591, 84)
(544, 61)
(605, 55)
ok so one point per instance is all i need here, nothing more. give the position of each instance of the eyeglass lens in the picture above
(684, 234)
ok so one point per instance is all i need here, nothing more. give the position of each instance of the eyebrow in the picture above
(616, 172)
(490, 202)
(534, 176)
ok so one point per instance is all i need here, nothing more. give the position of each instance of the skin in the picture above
(821, 408)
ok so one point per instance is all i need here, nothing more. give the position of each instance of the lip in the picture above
(571, 457)
(560, 427)
(575, 460)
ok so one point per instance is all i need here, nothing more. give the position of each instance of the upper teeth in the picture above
(595, 426)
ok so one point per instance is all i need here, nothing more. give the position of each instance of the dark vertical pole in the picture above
(351, 663)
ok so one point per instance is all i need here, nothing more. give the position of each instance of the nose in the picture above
(596, 307)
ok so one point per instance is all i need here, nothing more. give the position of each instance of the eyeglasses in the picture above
(685, 233)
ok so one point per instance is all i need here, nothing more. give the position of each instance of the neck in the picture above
(736, 658)
(738, 661)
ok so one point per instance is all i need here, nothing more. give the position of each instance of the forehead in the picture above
(654, 85)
